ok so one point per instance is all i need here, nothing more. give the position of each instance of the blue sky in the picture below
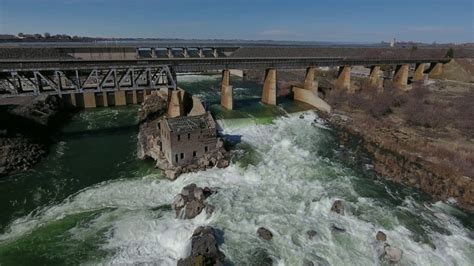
(316, 20)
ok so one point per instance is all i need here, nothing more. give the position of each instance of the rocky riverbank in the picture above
(151, 112)
(421, 138)
(397, 154)
(25, 132)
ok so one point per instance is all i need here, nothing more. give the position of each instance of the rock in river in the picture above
(264, 233)
(190, 202)
(338, 207)
(381, 236)
(204, 249)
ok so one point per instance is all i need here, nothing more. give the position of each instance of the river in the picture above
(90, 201)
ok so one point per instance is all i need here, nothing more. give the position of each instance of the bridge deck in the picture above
(200, 64)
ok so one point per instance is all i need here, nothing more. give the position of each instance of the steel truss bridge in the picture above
(67, 76)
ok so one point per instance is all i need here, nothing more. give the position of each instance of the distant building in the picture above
(187, 138)
(393, 42)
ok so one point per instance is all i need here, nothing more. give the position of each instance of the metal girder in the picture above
(67, 81)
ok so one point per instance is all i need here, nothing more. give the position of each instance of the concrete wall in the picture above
(310, 98)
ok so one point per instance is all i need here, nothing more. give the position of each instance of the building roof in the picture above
(190, 123)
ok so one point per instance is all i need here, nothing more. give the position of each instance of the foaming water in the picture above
(285, 177)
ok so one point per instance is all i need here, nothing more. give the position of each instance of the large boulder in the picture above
(381, 236)
(204, 249)
(191, 201)
(264, 233)
(338, 207)
(393, 254)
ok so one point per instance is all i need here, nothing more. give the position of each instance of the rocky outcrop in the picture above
(19, 153)
(264, 233)
(43, 110)
(25, 132)
(204, 249)
(393, 159)
(191, 201)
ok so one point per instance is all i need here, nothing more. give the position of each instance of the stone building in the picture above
(185, 139)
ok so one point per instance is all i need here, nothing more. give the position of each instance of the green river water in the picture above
(90, 201)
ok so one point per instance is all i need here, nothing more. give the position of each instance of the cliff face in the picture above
(393, 157)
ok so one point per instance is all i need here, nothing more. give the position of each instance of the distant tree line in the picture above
(44, 37)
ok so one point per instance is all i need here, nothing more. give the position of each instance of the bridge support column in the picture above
(185, 52)
(73, 99)
(169, 52)
(134, 97)
(70, 100)
(400, 78)
(374, 78)
(175, 104)
(309, 82)
(227, 94)
(344, 78)
(120, 99)
(89, 100)
(269, 92)
(436, 71)
(418, 75)
(105, 99)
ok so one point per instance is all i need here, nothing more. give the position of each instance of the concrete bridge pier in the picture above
(105, 99)
(201, 52)
(169, 52)
(374, 78)
(70, 100)
(436, 70)
(419, 73)
(400, 78)
(269, 92)
(120, 98)
(344, 78)
(309, 93)
(227, 94)
(89, 100)
(175, 104)
(309, 82)
(134, 97)
(185, 52)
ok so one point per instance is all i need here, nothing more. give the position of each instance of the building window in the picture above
(182, 156)
(179, 137)
(176, 157)
(205, 149)
(189, 135)
(194, 153)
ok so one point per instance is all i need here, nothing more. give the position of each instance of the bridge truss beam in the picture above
(68, 81)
